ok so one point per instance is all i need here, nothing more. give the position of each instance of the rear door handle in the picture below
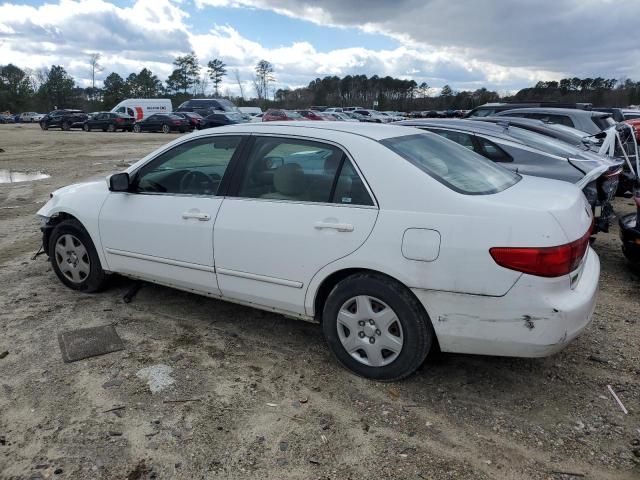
(341, 227)
(203, 217)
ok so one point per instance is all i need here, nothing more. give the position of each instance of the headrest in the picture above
(289, 179)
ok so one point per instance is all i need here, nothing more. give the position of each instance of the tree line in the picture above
(43, 90)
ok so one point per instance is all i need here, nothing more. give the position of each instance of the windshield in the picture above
(542, 142)
(452, 165)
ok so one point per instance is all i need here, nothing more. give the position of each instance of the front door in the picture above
(162, 230)
(295, 206)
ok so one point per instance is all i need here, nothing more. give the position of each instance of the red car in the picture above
(273, 115)
(635, 123)
(311, 115)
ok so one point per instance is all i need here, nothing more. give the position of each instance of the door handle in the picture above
(341, 227)
(203, 217)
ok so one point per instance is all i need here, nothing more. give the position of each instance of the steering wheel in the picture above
(194, 182)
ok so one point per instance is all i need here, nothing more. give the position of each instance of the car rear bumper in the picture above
(536, 318)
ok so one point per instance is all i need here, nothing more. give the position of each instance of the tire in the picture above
(74, 257)
(408, 330)
(166, 128)
(66, 126)
(137, 129)
(86, 127)
(44, 126)
(111, 128)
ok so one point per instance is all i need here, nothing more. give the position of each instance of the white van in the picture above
(141, 108)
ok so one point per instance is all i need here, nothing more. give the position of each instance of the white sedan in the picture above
(395, 240)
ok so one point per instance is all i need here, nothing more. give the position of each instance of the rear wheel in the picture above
(376, 328)
(111, 128)
(44, 126)
(74, 257)
(137, 129)
(86, 127)
(166, 128)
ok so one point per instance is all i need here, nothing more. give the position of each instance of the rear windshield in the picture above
(455, 166)
(542, 142)
(603, 122)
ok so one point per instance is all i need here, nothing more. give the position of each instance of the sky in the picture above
(503, 45)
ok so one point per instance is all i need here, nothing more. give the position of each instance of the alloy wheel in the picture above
(370, 331)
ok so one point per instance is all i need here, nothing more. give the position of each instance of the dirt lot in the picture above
(266, 400)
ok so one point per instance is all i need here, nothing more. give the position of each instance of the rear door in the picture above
(296, 205)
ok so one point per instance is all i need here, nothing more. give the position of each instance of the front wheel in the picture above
(376, 328)
(111, 128)
(137, 129)
(74, 257)
(166, 128)
(66, 126)
(44, 126)
(86, 127)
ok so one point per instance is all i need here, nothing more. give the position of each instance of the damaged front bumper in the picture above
(536, 318)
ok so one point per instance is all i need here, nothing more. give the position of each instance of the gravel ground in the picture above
(257, 395)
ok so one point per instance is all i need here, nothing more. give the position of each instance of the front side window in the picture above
(452, 165)
(192, 168)
(301, 170)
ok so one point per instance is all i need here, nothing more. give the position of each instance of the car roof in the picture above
(461, 124)
(561, 111)
(373, 131)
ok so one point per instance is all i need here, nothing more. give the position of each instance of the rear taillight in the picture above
(177, 122)
(119, 120)
(543, 261)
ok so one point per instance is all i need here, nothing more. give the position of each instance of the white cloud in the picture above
(498, 46)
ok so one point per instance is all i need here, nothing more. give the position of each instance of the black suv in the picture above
(64, 119)
(109, 122)
(207, 106)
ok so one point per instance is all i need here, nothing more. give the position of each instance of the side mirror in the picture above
(119, 182)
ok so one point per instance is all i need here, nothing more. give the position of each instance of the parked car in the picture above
(572, 136)
(364, 228)
(629, 225)
(109, 122)
(561, 132)
(313, 115)
(207, 106)
(275, 115)
(28, 117)
(333, 109)
(588, 121)
(494, 108)
(631, 114)
(38, 116)
(141, 108)
(65, 119)
(635, 124)
(194, 119)
(162, 122)
(529, 153)
(6, 118)
(373, 116)
(256, 118)
(345, 117)
(221, 119)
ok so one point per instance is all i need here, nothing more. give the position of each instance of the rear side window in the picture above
(492, 151)
(303, 171)
(551, 118)
(452, 165)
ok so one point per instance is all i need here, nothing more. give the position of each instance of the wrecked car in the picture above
(363, 228)
(530, 153)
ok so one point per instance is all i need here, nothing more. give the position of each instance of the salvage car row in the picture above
(364, 228)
